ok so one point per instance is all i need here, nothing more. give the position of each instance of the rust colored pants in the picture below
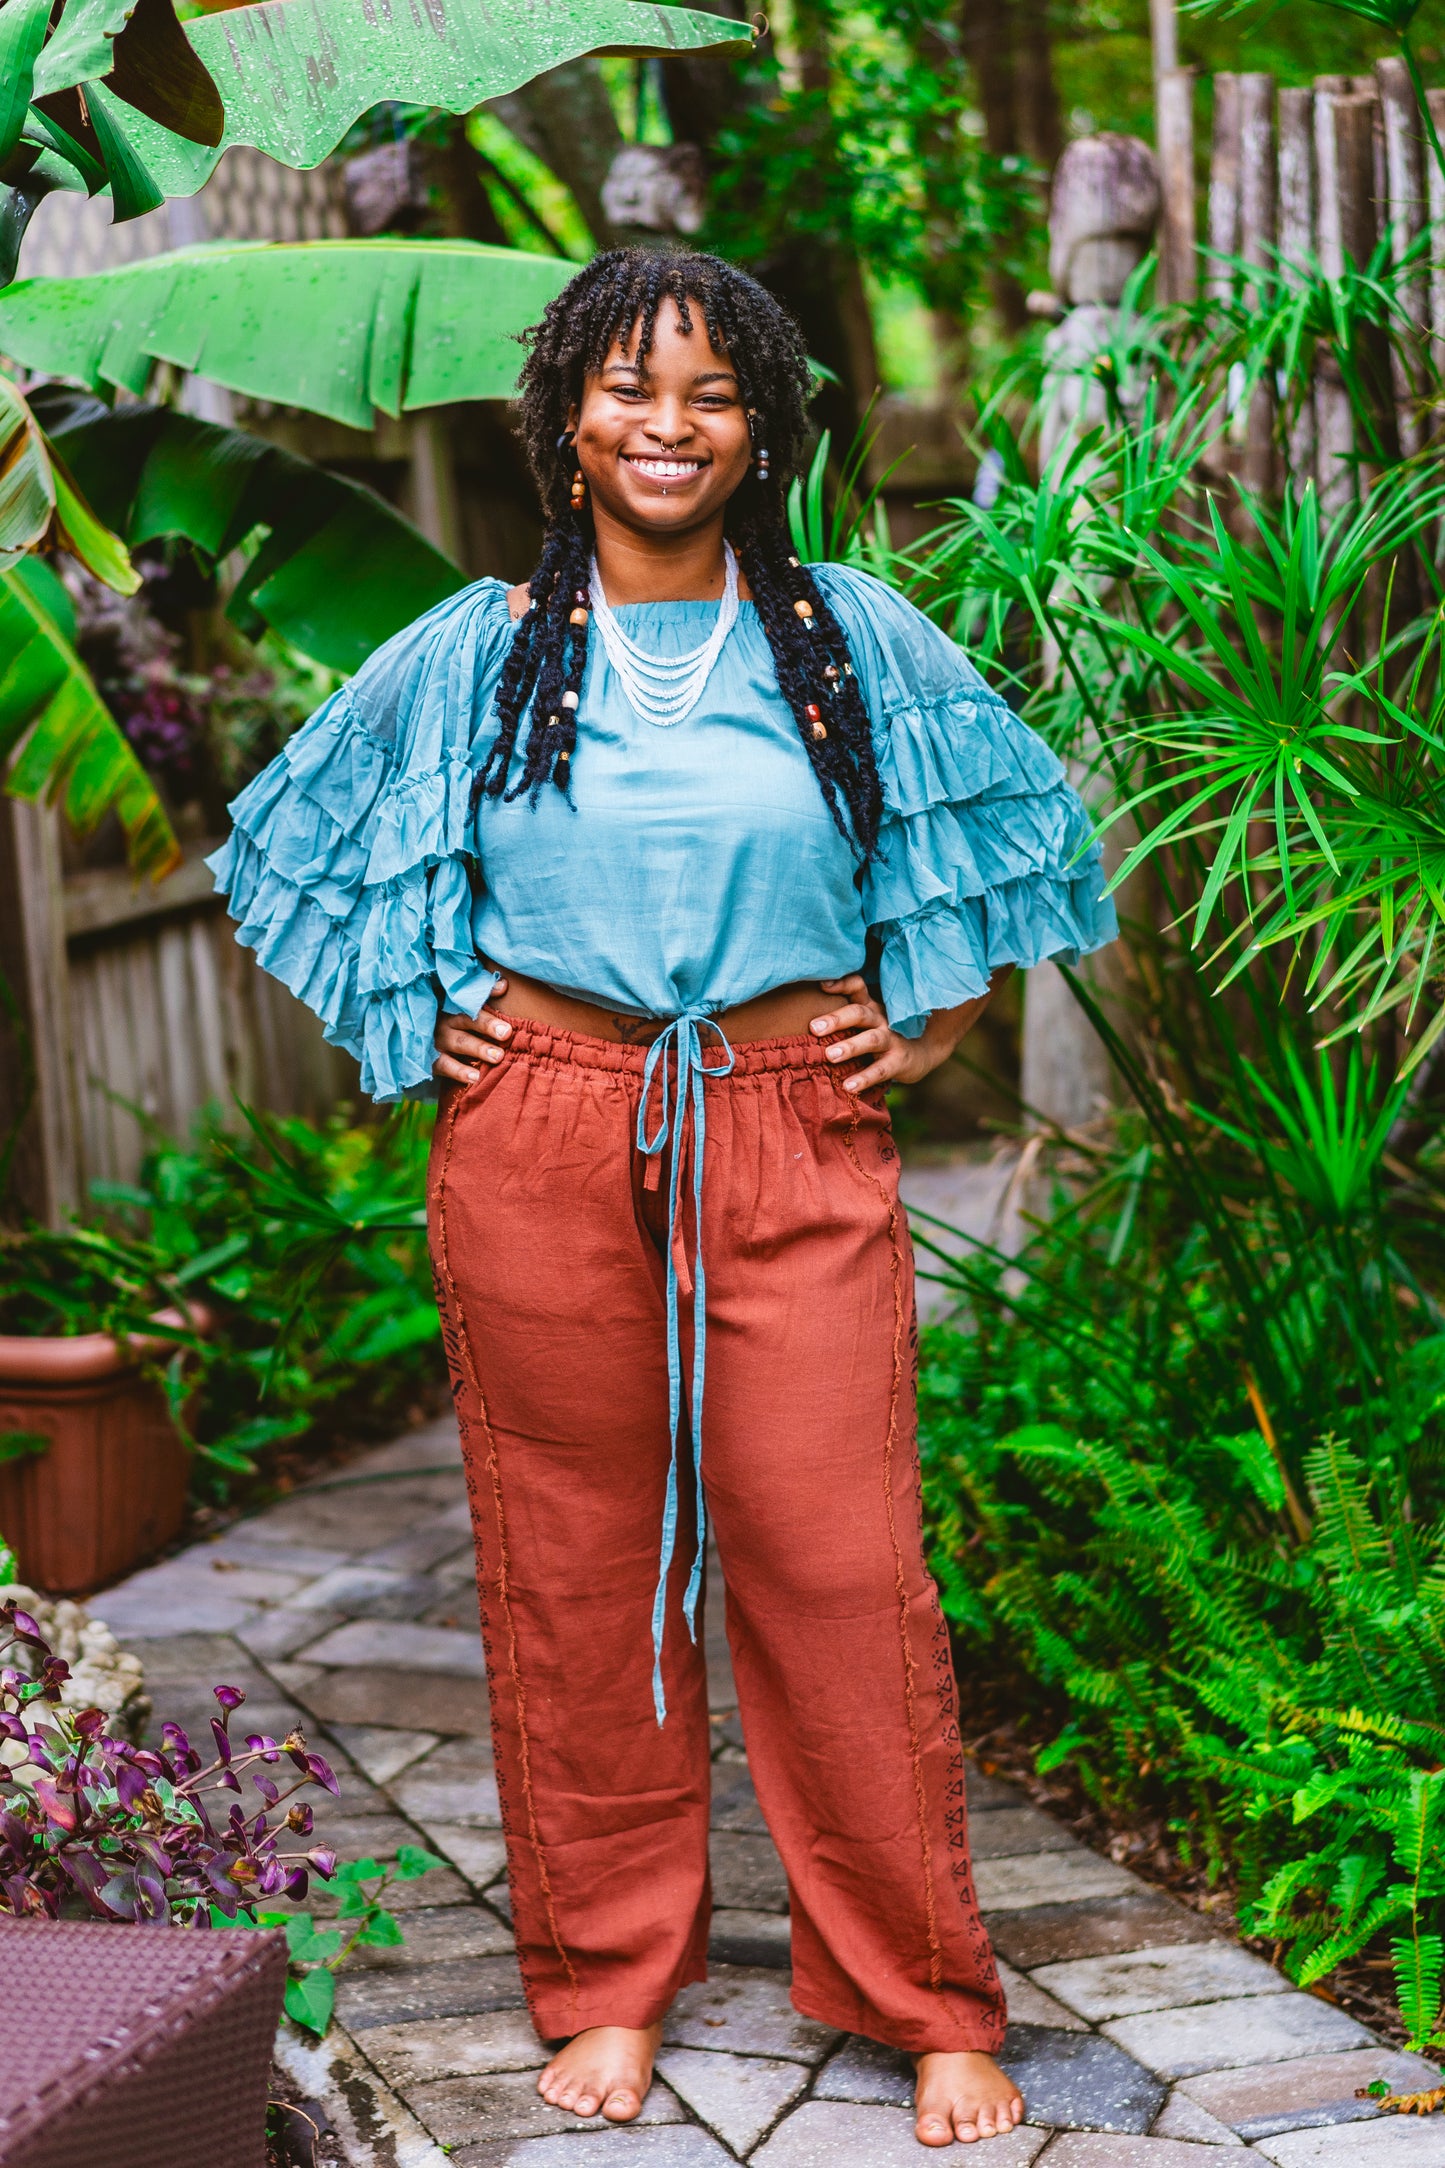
(550, 1250)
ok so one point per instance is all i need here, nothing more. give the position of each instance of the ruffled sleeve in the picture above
(346, 869)
(983, 856)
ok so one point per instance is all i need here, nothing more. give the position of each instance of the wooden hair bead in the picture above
(578, 617)
(820, 730)
(803, 608)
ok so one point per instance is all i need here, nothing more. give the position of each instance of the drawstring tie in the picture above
(676, 1069)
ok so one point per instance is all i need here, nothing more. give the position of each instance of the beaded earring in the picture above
(760, 451)
(565, 443)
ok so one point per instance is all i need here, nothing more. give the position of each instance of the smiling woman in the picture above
(687, 897)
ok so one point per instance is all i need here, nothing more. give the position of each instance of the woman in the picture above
(621, 824)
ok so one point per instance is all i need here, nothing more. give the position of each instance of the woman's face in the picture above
(663, 443)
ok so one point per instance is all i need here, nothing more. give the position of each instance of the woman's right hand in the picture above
(465, 1043)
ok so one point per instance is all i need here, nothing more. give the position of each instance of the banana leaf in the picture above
(338, 571)
(338, 327)
(295, 74)
(38, 498)
(73, 750)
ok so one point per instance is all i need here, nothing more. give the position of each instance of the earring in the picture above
(761, 452)
(567, 442)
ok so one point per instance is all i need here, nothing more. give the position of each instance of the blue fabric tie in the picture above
(675, 1068)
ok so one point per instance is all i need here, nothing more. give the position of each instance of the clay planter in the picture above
(112, 1487)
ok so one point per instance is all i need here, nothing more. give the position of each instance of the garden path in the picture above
(1141, 2037)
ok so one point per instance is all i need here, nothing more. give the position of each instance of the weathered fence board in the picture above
(168, 1016)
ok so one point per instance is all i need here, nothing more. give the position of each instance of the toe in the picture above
(932, 2130)
(621, 2106)
(584, 2104)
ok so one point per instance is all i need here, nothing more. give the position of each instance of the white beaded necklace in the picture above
(664, 689)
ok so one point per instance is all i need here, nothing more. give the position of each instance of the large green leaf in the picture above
(22, 32)
(27, 487)
(295, 74)
(338, 571)
(337, 327)
(38, 498)
(74, 752)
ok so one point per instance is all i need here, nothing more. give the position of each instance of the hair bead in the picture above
(569, 699)
(830, 672)
(577, 617)
(804, 608)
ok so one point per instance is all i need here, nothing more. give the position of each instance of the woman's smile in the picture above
(656, 468)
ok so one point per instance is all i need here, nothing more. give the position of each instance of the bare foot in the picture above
(607, 2068)
(965, 2097)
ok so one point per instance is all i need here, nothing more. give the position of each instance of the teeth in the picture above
(667, 470)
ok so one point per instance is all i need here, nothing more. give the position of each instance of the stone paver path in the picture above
(1141, 2038)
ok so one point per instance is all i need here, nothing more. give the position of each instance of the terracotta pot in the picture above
(112, 1486)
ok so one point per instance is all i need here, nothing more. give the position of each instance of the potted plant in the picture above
(93, 1467)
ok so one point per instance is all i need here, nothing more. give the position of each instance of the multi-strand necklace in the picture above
(664, 689)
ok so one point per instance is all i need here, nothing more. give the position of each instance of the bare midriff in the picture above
(780, 1014)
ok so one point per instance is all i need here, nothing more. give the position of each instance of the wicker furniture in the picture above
(128, 2047)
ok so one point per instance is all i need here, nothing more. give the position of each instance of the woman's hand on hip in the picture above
(896, 1060)
(466, 1045)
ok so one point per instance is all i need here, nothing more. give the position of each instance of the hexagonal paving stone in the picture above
(1393, 2141)
(1076, 2081)
(1159, 1979)
(1029, 2005)
(1089, 2149)
(472, 2111)
(1181, 2118)
(687, 2147)
(1010, 1885)
(832, 2134)
(1311, 2091)
(454, 2047)
(734, 1802)
(745, 2010)
(1009, 1832)
(747, 1873)
(749, 1938)
(1230, 2035)
(457, 1987)
(1055, 1933)
(738, 2096)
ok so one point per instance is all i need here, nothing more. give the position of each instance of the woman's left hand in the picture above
(896, 1060)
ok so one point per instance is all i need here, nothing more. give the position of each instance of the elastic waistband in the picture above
(754, 1057)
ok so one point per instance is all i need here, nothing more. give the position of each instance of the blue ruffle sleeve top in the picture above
(687, 870)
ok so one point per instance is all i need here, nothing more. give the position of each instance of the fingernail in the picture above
(851, 1083)
(836, 1053)
(502, 1030)
(819, 1023)
(494, 1053)
(472, 1075)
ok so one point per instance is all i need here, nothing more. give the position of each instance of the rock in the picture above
(103, 1675)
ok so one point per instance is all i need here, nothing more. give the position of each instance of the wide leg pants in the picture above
(549, 1237)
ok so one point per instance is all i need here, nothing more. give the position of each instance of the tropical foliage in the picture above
(307, 1244)
(1186, 1464)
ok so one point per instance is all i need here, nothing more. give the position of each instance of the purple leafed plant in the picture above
(91, 1826)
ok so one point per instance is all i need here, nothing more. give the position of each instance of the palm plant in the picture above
(119, 94)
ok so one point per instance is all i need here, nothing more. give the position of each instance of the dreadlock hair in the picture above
(617, 296)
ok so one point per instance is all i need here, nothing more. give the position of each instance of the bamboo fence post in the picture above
(1296, 230)
(1435, 202)
(1256, 246)
(1223, 186)
(1174, 144)
(1344, 167)
(1404, 208)
(37, 1086)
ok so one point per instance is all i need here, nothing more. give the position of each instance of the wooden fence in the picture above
(1302, 176)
